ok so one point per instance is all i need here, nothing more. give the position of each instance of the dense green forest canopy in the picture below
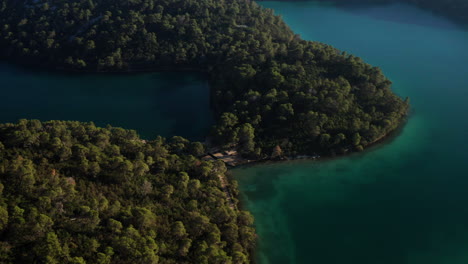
(71, 192)
(270, 88)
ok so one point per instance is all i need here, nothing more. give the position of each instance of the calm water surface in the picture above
(405, 202)
(154, 104)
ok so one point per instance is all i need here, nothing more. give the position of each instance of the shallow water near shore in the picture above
(402, 202)
(166, 104)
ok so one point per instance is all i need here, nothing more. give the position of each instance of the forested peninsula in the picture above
(271, 90)
(71, 192)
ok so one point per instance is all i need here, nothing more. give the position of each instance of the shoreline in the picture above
(382, 141)
(44, 67)
(385, 139)
(241, 162)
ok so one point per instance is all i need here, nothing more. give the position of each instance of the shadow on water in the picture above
(396, 12)
(165, 103)
(399, 13)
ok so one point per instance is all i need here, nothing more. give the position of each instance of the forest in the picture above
(71, 192)
(271, 91)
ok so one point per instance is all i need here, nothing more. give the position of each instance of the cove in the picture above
(166, 104)
(403, 202)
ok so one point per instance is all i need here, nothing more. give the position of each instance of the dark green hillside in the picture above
(74, 193)
(270, 88)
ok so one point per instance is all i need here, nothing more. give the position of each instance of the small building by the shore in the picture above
(207, 158)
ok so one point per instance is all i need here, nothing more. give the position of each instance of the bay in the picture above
(400, 202)
(166, 103)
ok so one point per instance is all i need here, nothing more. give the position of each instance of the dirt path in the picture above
(224, 186)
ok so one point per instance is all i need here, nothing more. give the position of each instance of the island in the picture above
(75, 193)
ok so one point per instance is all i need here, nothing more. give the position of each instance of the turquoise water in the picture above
(403, 202)
(154, 104)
